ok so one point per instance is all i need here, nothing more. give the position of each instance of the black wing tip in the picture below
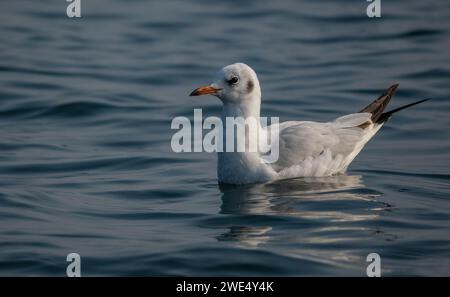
(385, 116)
(392, 89)
(377, 107)
(423, 100)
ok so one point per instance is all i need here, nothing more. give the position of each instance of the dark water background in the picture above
(85, 158)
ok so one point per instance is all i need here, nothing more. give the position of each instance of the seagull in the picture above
(305, 148)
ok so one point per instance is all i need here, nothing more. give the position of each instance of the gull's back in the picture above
(323, 149)
(320, 149)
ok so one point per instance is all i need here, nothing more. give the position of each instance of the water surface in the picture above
(85, 158)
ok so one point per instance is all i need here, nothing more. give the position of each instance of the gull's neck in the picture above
(248, 109)
(245, 109)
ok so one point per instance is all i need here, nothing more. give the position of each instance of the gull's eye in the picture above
(233, 80)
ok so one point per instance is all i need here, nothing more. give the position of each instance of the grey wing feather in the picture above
(301, 140)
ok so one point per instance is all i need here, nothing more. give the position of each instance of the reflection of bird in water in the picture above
(246, 236)
(281, 197)
(346, 200)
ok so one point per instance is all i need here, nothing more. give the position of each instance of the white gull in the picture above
(306, 148)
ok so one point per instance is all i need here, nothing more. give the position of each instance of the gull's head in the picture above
(236, 83)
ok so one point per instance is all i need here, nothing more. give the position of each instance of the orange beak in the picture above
(208, 90)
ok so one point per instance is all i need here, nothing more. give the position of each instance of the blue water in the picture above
(85, 158)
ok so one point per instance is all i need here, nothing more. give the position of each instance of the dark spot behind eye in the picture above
(233, 80)
(250, 86)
